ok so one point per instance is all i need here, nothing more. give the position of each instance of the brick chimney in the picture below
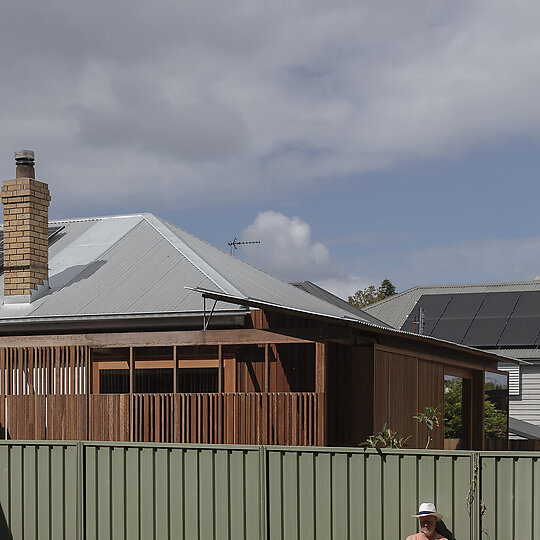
(26, 219)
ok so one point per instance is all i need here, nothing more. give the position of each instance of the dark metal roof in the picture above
(327, 296)
(523, 429)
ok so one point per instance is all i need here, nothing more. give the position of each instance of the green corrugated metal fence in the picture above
(102, 491)
(349, 494)
(148, 492)
(40, 494)
(510, 493)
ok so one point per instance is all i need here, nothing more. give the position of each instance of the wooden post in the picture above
(320, 388)
(478, 411)
(175, 371)
(266, 367)
(131, 388)
(220, 368)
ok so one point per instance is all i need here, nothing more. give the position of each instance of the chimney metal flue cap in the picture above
(24, 157)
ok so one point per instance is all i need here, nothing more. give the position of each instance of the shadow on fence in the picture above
(5, 533)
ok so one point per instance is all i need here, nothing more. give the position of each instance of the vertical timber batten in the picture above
(131, 388)
(320, 387)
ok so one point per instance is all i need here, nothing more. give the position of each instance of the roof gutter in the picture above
(106, 323)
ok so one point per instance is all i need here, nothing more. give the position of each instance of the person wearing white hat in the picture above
(427, 518)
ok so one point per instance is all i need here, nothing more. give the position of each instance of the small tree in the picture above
(431, 418)
(386, 438)
(387, 288)
(372, 294)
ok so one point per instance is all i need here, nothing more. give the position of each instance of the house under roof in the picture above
(128, 328)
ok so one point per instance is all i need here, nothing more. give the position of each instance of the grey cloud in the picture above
(249, 99)
(198, 131)
(483, 260)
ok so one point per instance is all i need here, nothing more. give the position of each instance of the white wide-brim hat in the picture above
(427, 509)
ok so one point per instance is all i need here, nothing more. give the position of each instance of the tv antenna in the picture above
(235, 243)
(420, 322)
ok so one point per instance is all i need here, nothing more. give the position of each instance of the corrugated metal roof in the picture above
(519, 354)
(252, 282)
(395, 309)
(139, 264)
(311, 288)
(523, 429)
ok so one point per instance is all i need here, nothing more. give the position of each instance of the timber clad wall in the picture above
(45, 396)
(405, 385)
(100, 491)
(245, 386)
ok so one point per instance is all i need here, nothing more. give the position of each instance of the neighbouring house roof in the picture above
(520, 354)
(523, 429)
(501, 316)
(323, 294)
(141, 266)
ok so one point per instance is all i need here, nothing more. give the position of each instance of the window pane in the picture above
(453, 404)
(158, 381)
(198, 380)
(496, 405)
(113, 381)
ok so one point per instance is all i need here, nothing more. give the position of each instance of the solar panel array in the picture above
(52, 232)
(503, 319)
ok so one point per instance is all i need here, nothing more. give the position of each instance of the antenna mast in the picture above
(235, 243)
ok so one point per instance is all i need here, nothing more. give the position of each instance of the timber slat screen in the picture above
(233, 418)
(44, 392)
(45, 395)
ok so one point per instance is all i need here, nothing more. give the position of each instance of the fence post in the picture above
(80, 491)
(263, 483)
(473, 498)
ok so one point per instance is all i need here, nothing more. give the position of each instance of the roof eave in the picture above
(261, 304)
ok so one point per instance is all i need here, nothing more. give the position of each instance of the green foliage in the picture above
(387, 288)
(431, 418)
(495, 419)
(495, 422)
(386, 438)
(372, 294)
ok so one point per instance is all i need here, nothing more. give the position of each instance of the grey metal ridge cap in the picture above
(421, 289)
(263, 303)
(96, 218)
(211, 273)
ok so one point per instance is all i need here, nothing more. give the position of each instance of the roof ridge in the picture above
(102, 254)
(162, 227)
(241, 261)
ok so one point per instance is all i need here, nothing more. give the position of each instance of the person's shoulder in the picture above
(412, 537)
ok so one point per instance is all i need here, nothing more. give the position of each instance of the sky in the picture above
(357, 141)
